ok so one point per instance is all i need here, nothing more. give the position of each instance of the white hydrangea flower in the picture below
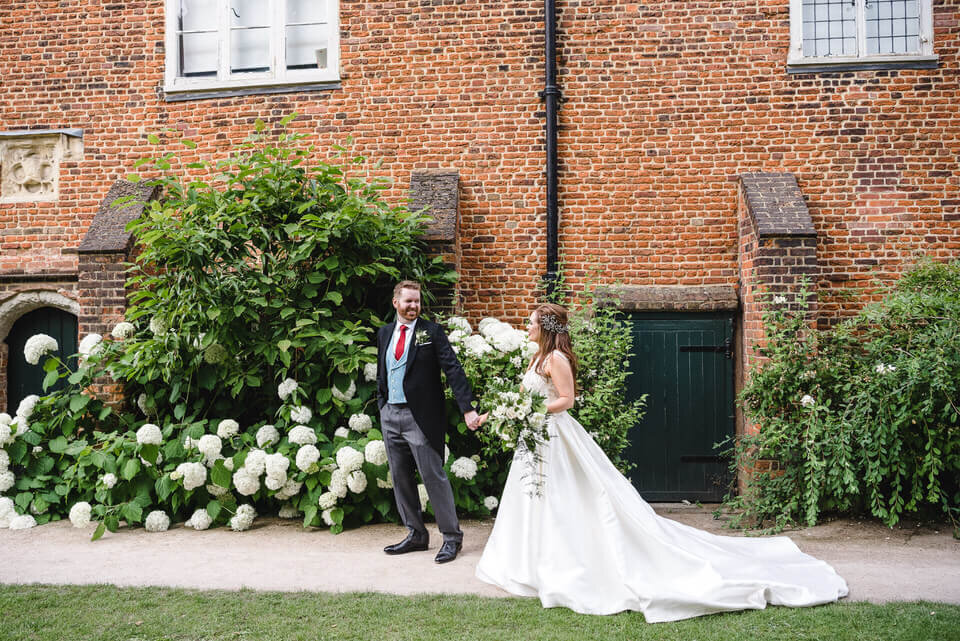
(26, 407)
(228, 428)
(200, 520)
(370, 372)
(360, 423)
(375, 452)
(288, 511)
(90, 345)
(779, 300)
(883, 368)
(307, 457)
(459, 323)
(357, 481)
(508, 340)
(210, 446)
(216, 491)
(267, 435)
(22, 522)
(344, 396)
(256, 462)
(275, 482)
(302, 435)
(277, 465)
(7, 512)
(157, 521)
(149, 434)
(159, 326)
(243, 519)
(455, 337)
(424, 497)
(341, 432)
(37, 449)
(5, 419)
(80, 514)
(227, 463)
(349, 459)
(286, 388)
(529, 349)
(188, 443)
(109, 480)
(123, 330)
(464, 468)
(385, 484)
(327, 500)
(246, 483)
(301, 414)
(194, 475)
(6, 434)
(485, 323)
(338, 483)
(38, 346)
(491, 503)
(327, 517)
(807, 401)
(290, 489)
(4, 459)
(215, 353)
(477, 345)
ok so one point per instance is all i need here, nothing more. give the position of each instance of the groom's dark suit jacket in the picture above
(421, 380)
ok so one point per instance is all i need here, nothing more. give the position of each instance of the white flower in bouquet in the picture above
(22, 522)
(246, 483)
(289, 490)
(344, 395)
(385, 484)
(491, 503)
(215, 353)
(370, 372)
(4, 459)
(286, 388)
(109, 480)
(349, 459)
(459, 323)
(476, 345)
(327, 517)
(375, 452)
(80, 514)
(194, 475)
(338, 483)
(277, 465)
(301, 414)
(210, 446)
(215, 490)
(288, 511)
(537, 420)
(199, 520)
(341, 432)
(307, 457)
(228, 428)
(123, 330)
(157, 521)
(357, 481)
(807, 401)
(256, 462)
(424, 497)
(149, 434)
(360, 423)
(243, 519)
(275, 482)
(464, 468)
(7, 513)
(302, 435)
(267, 435)
(37, 346)
(90, 345)
(327, 500)
(26, 407)
(158, 326)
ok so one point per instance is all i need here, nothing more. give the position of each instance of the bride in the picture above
(590, 543)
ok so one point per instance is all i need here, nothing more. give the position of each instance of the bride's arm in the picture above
(559, 370)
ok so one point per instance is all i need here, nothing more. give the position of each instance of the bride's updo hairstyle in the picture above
(554, 335)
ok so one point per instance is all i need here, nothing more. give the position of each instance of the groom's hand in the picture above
(473, 421)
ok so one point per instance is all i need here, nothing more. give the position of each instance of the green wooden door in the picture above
(684, 363)
(24, 379)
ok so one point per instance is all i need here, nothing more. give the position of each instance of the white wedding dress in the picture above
(590, 543)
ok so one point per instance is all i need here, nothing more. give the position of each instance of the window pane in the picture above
(299, 11)
(198, 15)
(249, 50)
(249, 13)
(829, 28)
(198, 54)
(307, 47)
(893, 26)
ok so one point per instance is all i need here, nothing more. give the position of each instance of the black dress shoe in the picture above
(413, 543)
(448, 551)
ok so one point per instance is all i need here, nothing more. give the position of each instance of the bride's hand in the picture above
(480, 421)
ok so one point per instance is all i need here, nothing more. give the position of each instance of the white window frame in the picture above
(279, 75)
(796, 58)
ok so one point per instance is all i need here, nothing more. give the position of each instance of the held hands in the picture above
(474, 421)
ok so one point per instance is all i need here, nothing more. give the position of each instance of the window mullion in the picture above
(278, 39)
(861, 28)
(223, 46)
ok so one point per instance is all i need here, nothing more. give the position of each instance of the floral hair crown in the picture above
(551, 323)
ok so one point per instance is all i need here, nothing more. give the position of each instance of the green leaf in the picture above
(189, 143)
(130, 469)
(132, 512)
(101, 528)
(76, 377)
(79, 402)
(179, 411)
(336, 515)
(220, 475)
(164, 486)
(153, 139)
(23, 500)
(112, 523)
(284, 345)
(50, 365)
(50, 379)
(213, 509)
(134, 178)
(309, 514)
(59, 445)
(336, 297)
(149, 453)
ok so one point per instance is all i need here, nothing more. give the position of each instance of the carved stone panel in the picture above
(30, 164)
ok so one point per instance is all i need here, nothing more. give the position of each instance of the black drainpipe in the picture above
(551, 95)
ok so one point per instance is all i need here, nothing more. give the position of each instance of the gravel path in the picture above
(880, 564)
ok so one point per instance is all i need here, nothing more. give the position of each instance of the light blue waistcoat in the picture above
(396, 369)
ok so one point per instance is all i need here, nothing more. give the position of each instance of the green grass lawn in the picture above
(105, 612)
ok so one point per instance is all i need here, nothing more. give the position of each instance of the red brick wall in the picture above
(666, 103)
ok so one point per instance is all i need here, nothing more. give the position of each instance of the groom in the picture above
(412, 351)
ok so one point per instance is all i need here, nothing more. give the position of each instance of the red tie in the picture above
(401, 342)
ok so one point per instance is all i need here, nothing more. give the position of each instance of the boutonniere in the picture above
(423, 338)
